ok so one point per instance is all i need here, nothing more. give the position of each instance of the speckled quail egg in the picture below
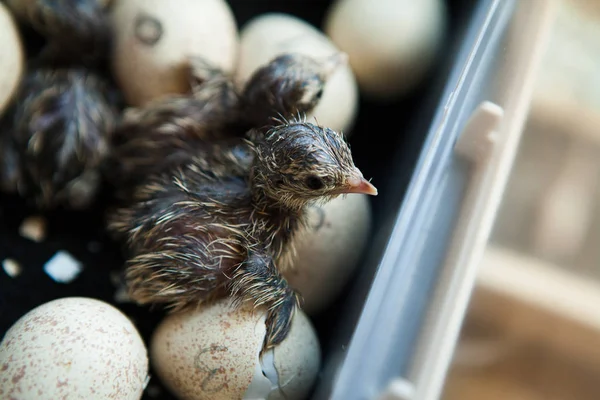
(213, 352)
(329, 250)
(73, 348)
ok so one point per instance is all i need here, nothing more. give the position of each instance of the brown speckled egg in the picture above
(154, 40)
(75, 348)
(330, 250)
(12, 57)
(214, 353)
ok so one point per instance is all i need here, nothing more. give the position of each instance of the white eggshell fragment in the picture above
(330, 249)
(213, 352)
(12, 57)
(269, 35)
(391, 44)
(75, 348)
(155, 39)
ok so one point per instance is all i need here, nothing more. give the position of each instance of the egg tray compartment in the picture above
(388, 158)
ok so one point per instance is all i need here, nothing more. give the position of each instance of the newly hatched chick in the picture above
(222, 224)
(165, 132)
(291, 84)
(210, 83)
(75, 30)
(59, 123)
(168, 131)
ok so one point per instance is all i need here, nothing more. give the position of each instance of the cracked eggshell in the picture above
(76, 348)
(154, 39)
(391, 44)
(269, 35)
(329, 250)
(296, 360)
(213, 353)
(13, 57)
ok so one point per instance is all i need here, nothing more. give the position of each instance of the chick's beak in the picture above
(333, 62)
(359, 185)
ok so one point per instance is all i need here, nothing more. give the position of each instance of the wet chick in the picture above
(74, 30)
(58, 127)
(169, 131)
(223, 223)
(210, 83)
(291, 84)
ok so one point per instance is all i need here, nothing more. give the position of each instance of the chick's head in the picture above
(298, 162)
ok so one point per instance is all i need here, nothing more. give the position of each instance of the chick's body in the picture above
(222, 224)
(193, 232)
(207, 222)
(169, 131)
(161, 136)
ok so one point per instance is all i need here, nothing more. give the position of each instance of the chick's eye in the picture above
(319, 94)
(314, 182)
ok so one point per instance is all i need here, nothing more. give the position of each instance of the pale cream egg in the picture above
(155, 39)
(391, 44)
(329, 250)
(13, 57)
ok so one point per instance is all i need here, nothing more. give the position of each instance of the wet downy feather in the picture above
(59, 124)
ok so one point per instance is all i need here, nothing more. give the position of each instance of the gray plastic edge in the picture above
(361, 364)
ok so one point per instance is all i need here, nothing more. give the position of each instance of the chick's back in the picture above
(186, 231)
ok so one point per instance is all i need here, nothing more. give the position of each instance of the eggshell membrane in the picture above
(208, 353)
(75, 348)
(13, 57)
(297, 361)
(269, 35)
(330, 249)
(391, 44)
(154, 39)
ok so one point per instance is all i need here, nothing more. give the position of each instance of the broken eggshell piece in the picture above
(213, 352)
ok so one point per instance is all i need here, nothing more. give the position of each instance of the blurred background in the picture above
(533, 326)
